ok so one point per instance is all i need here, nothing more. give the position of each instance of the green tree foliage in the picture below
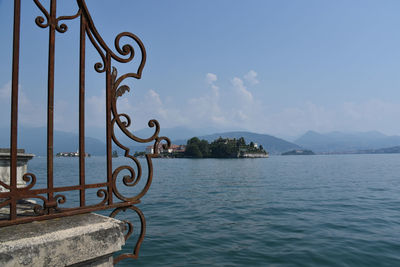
(219, 148)
(224, 148)
(193, 140)
(204, 148)
(197, 148)
(193, 151)
(241, 142)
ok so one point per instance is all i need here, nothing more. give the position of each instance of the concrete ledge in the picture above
(80, 240)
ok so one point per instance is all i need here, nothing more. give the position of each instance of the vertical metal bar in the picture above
(14, 109)
(108, 127)
(82, 110)
(50, 100)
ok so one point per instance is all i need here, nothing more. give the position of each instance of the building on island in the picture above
(70, 154)
(172, 149)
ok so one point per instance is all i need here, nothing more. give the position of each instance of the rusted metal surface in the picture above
(51, 198)
(14, 109)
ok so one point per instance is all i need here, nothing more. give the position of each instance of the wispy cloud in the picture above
(29, 112)
(232, 106)
(206, 109)
(211, 78)
(96, 109)
(242, 89)
(5, 91)
(373, 114)
(251, 77)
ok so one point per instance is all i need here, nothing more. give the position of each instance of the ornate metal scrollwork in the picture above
(112, 197)
(135, 252)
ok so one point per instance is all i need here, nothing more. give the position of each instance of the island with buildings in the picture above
(70, 154)
(219, 148)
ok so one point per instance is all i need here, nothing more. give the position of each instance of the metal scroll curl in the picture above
(50, 199)
(40, 20)
(116, 90)
(30, 179)
(47, 206)
(44, 23)
(125, 53)
(123, 121)
(130, 227)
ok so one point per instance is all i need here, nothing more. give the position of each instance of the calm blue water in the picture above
(328, 210)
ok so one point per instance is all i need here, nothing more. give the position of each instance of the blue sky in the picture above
(276, 67)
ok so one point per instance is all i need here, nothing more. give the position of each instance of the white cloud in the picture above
(29, 113)
(241, 89)
(373, 114)
(154, 100)
(96, 110)
(206, 110)
(5, 91)
(251, 77)
(241, 115)
(66, 116)
(150, 105)
(211, 78)
(233, 107)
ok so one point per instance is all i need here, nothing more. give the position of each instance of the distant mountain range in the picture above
(174, 133)
(33, 140)
(387, 150)
(339, 142)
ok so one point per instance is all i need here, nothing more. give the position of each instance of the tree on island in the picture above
(204, 148)
(197, 148)
(220, 148)
(224, 148)
(241, 142)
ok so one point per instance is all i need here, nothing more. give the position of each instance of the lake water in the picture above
(324, 210)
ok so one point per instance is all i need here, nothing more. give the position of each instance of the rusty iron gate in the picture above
(110, 197)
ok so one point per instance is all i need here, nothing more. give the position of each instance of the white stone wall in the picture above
(255, 155)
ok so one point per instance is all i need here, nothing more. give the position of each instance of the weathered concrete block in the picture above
(80, 240)
(22, 167)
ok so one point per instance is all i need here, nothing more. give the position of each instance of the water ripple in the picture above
(337, 210)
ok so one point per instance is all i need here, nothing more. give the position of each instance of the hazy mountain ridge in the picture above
(346, 142)
(386, 150)
(34, 140)
(174, 133)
